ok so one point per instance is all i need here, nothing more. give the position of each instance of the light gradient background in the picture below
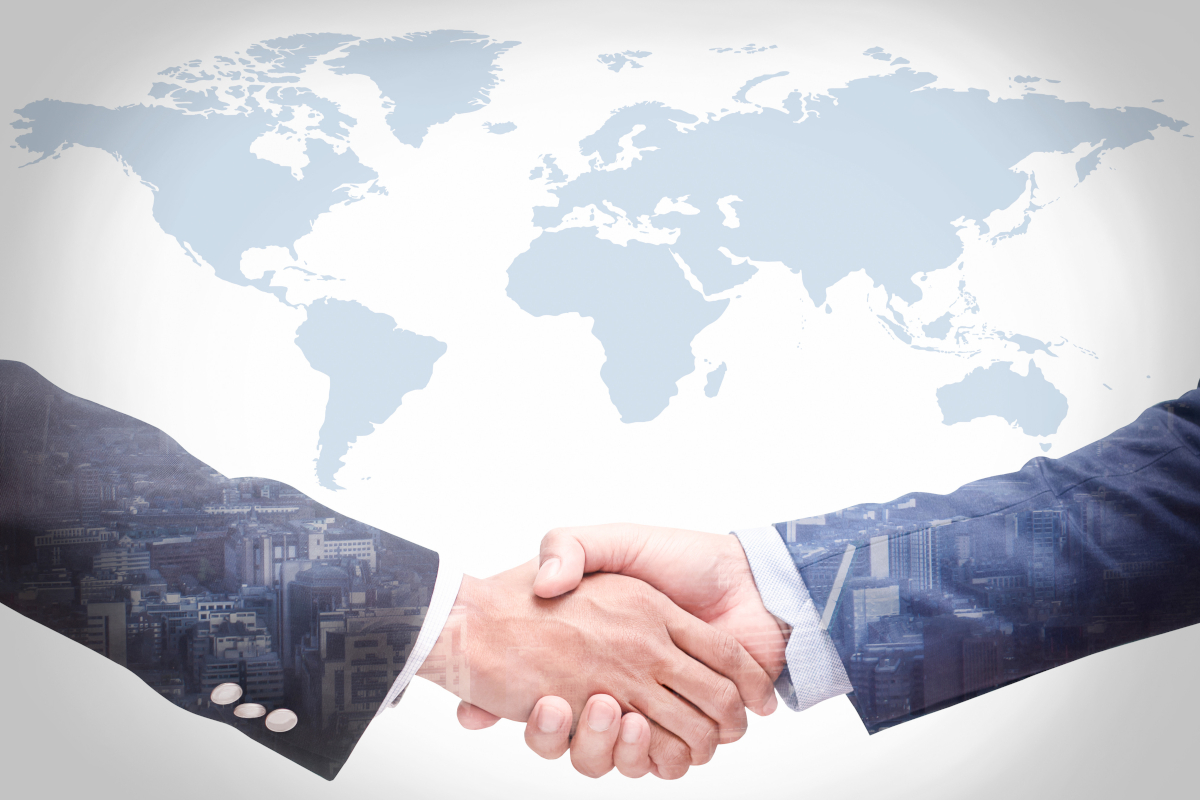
(215, 368)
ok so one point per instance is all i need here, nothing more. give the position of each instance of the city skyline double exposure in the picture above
(207, 588)
(245, 601)
(933, 599)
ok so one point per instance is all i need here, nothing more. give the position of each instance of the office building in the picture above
(106, 630)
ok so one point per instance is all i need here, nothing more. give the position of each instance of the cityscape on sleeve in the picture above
(241, 600)
(933, 599)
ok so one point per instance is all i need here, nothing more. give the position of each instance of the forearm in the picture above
(242, 601)
(933, 599)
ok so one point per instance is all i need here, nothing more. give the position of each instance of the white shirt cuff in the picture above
(814, 670)
(445, 592)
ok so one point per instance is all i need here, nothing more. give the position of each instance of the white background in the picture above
(516, 434)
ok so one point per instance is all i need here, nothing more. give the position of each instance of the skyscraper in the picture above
(917, 556)
(1040, 535)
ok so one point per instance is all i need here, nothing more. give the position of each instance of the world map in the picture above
(652, 241)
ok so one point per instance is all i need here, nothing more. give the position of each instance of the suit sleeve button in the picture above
(249, 711)
(281, 720)
(226, 693)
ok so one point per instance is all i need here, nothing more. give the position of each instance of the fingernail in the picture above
(601, 717)
(549, 719)
(549, 569)
(771, 704)
(630, 733)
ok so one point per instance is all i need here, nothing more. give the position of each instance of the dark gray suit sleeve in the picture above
(933, 599)
(240, 600)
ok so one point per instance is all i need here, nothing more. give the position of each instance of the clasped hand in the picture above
(660, 630)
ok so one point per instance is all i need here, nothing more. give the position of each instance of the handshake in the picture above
(648, 643)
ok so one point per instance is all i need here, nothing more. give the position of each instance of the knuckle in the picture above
(728, 652)
(764, 688)
(663, 661)
(671, 753)
(727, 699)
(648, 647)
(553, 538)
(702, 738)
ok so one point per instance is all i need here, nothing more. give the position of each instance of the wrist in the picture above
(772, 650)
(449, 661)
(489, 625)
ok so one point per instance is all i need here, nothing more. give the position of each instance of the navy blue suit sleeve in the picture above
(933, 599)
(111, 534)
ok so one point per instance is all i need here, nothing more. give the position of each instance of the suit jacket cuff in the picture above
(441, 601)
(814, 670)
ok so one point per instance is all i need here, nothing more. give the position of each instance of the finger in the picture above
(631, 756)
(595, 736)
(564, 558)
(562, 562)
(474, 718)
(674, 714)
(548, 731)
(669, 756)
(723, 656)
